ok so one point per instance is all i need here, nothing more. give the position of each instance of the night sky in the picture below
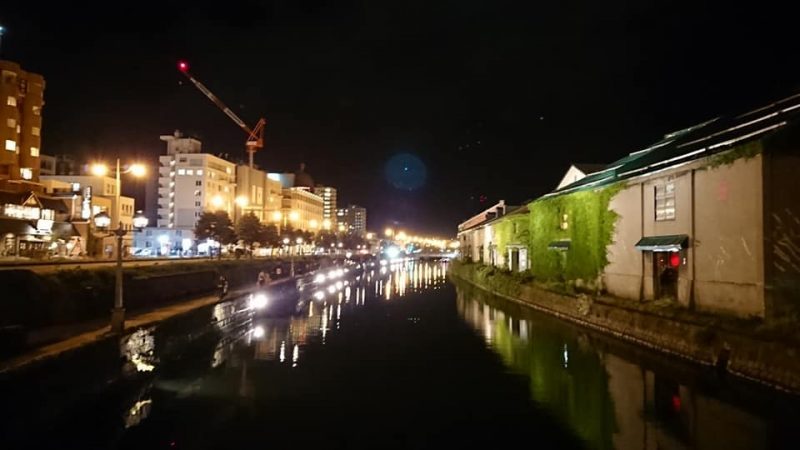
(480, 100)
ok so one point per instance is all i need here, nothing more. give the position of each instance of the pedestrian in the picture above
(222, 285)
(263, 279)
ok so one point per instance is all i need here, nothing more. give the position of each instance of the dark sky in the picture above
(495, 98)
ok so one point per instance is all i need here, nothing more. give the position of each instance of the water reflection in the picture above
(138, 349)
(608, 399)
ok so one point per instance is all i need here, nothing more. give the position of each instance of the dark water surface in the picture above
(398, 358)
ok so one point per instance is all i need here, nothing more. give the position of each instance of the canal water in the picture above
(397, 357)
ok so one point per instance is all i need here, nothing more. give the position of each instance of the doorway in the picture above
(665, 265)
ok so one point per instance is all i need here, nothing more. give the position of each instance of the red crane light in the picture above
(183, 66)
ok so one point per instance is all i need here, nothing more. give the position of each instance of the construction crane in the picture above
(255, 135)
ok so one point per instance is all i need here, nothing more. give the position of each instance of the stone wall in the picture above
(694, 337)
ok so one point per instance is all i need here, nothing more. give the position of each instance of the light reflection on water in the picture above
(271, 337)
(604, 392)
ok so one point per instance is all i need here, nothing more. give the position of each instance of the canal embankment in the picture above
(768, 353)
(40, 308)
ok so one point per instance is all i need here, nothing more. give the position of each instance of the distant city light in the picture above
(183, 66)
(392, 251)
(217, 201)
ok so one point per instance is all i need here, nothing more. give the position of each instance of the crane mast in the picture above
(255, 135)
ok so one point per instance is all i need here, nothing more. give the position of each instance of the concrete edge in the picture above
(739, 369)
(64, 347)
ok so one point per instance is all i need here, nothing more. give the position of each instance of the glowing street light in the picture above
(294, 215)
(370, 236)
(276, 216)
(326, 224)
(313, 224)
(216, 201)
(99, 169)
(140, 220)
(389, 232)
(138, 170)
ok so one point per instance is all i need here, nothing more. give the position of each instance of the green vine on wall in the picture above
(590, 230)
(746, 151)
(512, 229)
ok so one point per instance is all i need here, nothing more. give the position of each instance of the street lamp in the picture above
(389, 232)
(103, 221)
(101, 170)
(276, 216)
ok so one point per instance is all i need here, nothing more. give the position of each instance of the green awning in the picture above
(559, 245)
(669, 243)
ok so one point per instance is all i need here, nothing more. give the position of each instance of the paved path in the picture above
(45, 267)
(133, 323)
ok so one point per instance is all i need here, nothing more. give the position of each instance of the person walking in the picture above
(222, 285)
(263, 279)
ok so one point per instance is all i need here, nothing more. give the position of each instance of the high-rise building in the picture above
(21, 101)
(59, 165)
(301, 209)
(250, 190)
(47, 165)
(352, 219)
(190, 182)
(328, 195)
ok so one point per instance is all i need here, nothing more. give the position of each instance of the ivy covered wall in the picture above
(589, 228)
(512, 229)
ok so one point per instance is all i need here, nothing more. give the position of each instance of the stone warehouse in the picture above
(708, 216)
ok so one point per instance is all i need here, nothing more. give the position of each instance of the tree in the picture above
(215, 225)
(271, 237)
(250, 230)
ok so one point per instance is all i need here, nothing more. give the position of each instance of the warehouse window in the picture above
(665, 202)
(11, 145)
(12, 101)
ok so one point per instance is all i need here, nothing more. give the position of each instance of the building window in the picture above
(196, 203)
(190, 172)
(181, 171)
(665, 202)
(198, 193)
(200, 171)
(26, 173)
(36, 131)
(11, 145)
(564, 222)
(37, 110)
(9, 76)
(34, 151)
(11, 101)
(12, 123)
(198, 183)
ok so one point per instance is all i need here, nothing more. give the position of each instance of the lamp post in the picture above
(241, 201)
(286, 242)
(101, 170)
(103, 221)
(299, 242)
